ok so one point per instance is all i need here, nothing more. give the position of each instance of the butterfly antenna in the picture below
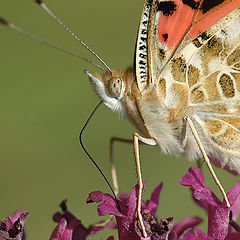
(46, 9)
(35, 38)
(90, 157)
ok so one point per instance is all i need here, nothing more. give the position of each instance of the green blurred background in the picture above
(44, 101)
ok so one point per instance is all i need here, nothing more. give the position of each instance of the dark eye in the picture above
(118, 80)
(114, 85)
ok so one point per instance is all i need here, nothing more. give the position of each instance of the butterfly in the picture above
(183, 92)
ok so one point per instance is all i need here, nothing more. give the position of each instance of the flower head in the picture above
(218, 212)
(12, 227)
(128, 225)
(71, 228)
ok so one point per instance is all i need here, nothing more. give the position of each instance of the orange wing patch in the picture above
(188, 17)
(209, 13)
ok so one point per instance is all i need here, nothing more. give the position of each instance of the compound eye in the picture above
(115, 87)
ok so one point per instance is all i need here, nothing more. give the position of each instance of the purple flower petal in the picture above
(233, 236)
(196, 234)
(127, 221)
(108, 205)
(235, 208)
(153, 203)
(126, 218)
(233, 195)
(59, 230)
(195, 179)
(12, 227)
(218, 213)
(218, 222)
(71, 228)
(184, 225)
(110, 238)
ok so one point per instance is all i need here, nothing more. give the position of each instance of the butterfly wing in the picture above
(210, 69)
(215, 91)
(167, 26)
(193, 56)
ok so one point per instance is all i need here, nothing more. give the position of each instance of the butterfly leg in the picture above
(206, 159)
(113, 173)
(136, 139)
(113, 166)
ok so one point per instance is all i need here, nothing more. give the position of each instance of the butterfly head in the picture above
(110, 88)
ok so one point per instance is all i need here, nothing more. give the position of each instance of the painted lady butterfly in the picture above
(183, 93)
(187, 63)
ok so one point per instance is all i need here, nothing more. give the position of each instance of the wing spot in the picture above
(193, 75)
(197, 43)
(165, 37)
(191, 3)
(162, 87)
(208, 5)
(200, 39)
(197, 95)
(142, 63)
(215, 45)
(227, 86)
(167, 7)
(143, 39)
(204, 36)
(142, 47)
(162, 54)
(179, 69)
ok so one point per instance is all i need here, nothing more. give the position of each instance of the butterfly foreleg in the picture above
(148, 141)
(113, 174)
(114, 171)
(113, 166)
(112, 161)
(187, 120)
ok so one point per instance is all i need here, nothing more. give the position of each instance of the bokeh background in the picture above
(44, 101)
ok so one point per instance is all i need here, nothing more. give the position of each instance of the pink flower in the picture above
(71, 228)
(12, 227)
(126, 217)
(219, 217)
